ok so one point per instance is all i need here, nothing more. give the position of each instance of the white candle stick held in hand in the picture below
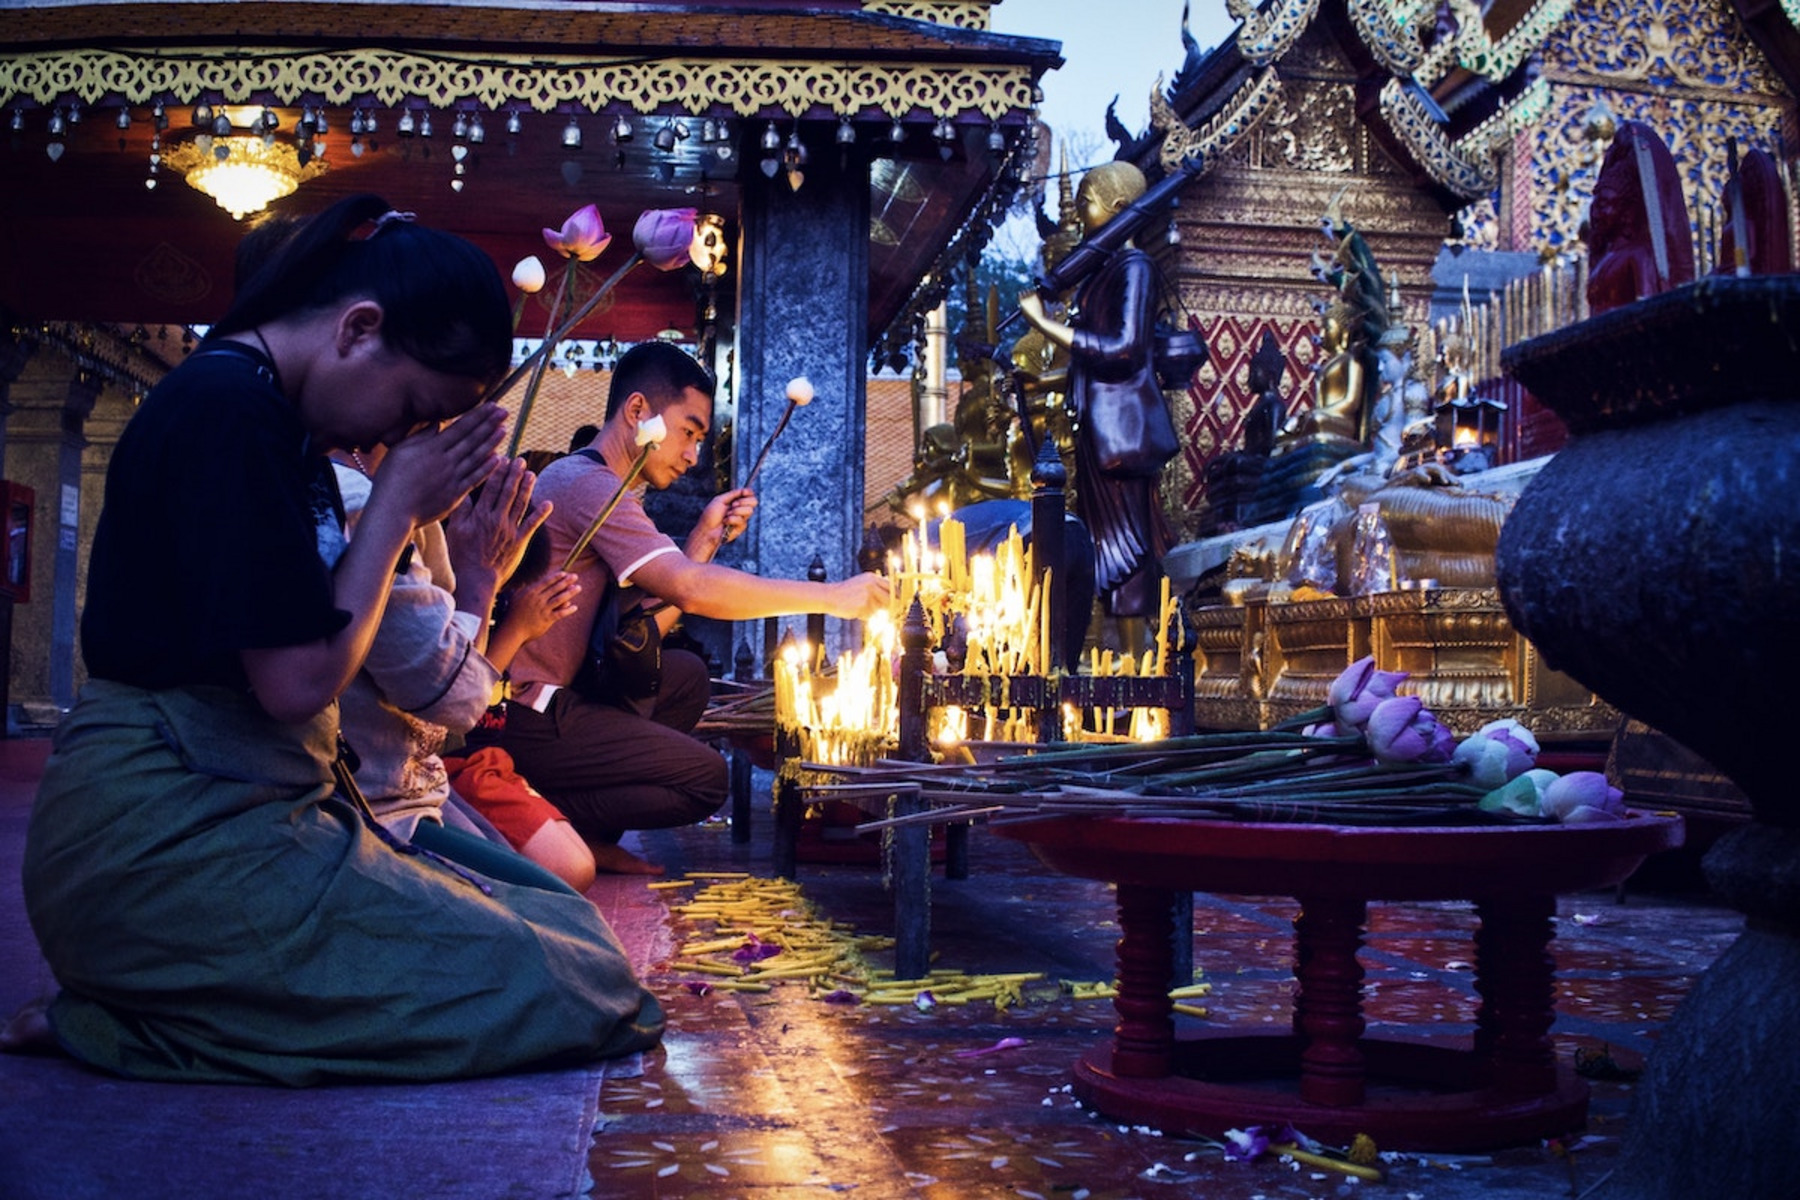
(650, 434)
(799, 392)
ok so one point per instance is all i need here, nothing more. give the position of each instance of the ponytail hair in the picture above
(443, 303)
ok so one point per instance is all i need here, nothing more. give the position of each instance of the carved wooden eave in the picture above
(1477, 80)
(815, 66)
(1772, 25)
(1226, 124)
(766, 59)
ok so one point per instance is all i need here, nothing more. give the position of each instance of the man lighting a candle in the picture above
(605, 736)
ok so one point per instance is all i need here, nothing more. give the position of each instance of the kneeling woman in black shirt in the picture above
(212, 907)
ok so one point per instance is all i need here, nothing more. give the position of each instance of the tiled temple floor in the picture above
(785, 1094)
(761, 1096)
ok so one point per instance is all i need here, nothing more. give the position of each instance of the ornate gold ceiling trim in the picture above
(1266, 36)
(963, 14)
(1469, 166)
(387, 77)
(1227, 127)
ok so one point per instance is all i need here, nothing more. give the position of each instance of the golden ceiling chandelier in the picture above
(243, 173)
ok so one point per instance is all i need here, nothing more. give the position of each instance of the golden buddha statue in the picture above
(1352, 322)
(1338, 381)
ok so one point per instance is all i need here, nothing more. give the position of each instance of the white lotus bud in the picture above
(800, 390)
(652, 431)
(528, 274)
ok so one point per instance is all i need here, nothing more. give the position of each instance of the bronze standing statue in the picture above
(1124, 434)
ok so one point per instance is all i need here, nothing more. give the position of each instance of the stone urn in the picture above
(1656, 559)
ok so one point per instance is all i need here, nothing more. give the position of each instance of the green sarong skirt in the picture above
(213, 912)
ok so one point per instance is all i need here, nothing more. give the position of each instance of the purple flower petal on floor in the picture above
(841, 997)
(1243, 1145)
(698, 987)
(754, 950)
(1006, 1043)
(924, 1001)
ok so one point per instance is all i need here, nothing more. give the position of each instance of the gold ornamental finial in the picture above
(1066, 216)
(1334, 215)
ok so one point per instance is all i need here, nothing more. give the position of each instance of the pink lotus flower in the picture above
(1497, 752)
(1358, 689)
(665, 237)
(1583, 797)
(1324, 729)
(1402, 731)
(582, 237)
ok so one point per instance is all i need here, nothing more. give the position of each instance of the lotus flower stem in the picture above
(581, 543)
(542, 358)
(799, 392)
(764, 452)
(562, 331)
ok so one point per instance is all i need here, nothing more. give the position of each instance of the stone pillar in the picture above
(934, 404)
(15, 352)
(84, 390)
(803, 310)
(59, 438)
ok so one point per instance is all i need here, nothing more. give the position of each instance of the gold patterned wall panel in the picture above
(1249, 229)
(1686, 68)
(1211, 419)
(1681, 44)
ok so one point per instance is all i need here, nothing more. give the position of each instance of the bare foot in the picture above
(29, 1030)
(614, 859)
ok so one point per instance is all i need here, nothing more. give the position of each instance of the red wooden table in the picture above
(1501, 1087)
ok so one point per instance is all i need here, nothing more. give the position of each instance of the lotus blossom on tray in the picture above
(1522, 795)
(1402, 730)
(1369, 756)
(1358, 689)
(1581, 798)
(1497, 752)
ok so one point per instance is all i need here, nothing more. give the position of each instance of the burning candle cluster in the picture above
(989, 628)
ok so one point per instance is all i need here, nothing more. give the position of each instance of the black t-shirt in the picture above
(208, 541)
